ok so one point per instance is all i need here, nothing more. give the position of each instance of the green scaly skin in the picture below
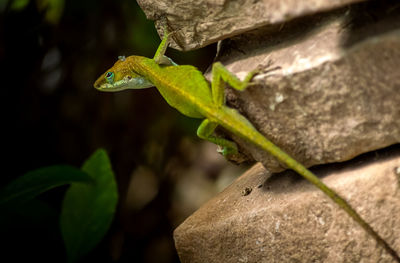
(186, 89)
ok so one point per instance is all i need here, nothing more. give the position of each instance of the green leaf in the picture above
(35, 182)
(53, 9)
(88, 210)
(18, 5)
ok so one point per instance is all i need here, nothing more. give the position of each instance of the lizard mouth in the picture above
(116, 86)
(123, 84)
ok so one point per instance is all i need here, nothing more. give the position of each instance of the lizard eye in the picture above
(110, 77)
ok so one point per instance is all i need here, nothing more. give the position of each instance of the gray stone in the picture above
(202, 22)
(336, 94)
(285, 219)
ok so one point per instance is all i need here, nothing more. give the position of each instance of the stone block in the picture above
(202, 22)
(282, 218)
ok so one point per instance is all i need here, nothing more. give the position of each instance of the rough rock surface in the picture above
(285, 219)
(336, 94)
(202, 22)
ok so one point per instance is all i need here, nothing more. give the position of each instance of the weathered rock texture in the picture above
(202, 22)
(285, 219)
(337, 94)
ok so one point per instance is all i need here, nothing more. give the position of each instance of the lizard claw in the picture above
(267, 68)
(262, 69)
(227, 151)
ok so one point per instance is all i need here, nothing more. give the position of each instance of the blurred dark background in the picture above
(51, 52)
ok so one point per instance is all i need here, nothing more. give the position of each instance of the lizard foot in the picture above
(261, 71)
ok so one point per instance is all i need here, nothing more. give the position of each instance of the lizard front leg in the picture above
(221, 75)
(159, 57)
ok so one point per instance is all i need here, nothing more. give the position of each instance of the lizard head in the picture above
(121, 77)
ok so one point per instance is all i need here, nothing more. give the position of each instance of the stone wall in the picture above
(329, 92)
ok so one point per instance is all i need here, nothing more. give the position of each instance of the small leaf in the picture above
(35, 182)
(18, 5)
(53, 9)
(88, 210)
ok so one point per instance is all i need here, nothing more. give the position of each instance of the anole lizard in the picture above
(186, 89)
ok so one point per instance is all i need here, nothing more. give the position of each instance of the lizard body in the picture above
(186, 89)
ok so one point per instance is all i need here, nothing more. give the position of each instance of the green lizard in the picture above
(186, 89)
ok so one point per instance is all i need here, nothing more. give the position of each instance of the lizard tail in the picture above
(238, 124)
